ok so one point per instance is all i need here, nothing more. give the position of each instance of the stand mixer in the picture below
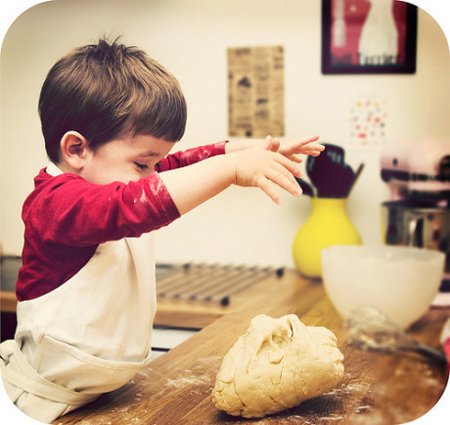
(418, 213)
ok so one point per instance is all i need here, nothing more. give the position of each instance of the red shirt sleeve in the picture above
(69, 210)
(190, 156)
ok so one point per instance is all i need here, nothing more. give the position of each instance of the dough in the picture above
(275, 365)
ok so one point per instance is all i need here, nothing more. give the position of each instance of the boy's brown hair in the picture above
(106, 90)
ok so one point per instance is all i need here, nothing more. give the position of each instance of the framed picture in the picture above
(368, 37)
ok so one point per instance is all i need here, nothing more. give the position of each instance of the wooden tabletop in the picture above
(176, 387)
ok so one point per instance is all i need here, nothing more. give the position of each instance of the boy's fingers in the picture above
(315, 147)
(315, 152)
(288, 164)
(287, 174)
(285, 183)
(296, 158)
(309, 140)
(303, 146)
(272, 144)
(267, 144)
(269, 189)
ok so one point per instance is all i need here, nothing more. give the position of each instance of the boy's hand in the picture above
(257, 167)
(294, 149)
(266, 169)
(291, 150)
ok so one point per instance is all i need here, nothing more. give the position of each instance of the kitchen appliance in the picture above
(418, 213)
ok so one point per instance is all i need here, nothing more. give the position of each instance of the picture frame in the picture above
(368, 37)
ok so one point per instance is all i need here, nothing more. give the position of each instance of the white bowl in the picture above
(399, 281)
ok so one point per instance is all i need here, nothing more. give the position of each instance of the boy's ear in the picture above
(74, 149)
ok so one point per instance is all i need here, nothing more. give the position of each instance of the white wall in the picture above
(190, 37)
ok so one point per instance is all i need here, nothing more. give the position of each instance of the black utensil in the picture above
(325, 169)
(344, 182)
(356, 176)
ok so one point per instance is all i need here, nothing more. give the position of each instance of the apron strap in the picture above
(18, 372)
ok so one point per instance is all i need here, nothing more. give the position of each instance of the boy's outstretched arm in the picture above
(292, 149)
(192, 185)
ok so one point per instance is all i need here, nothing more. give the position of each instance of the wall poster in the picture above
(256, 91)
(368, 37)
(368, 121)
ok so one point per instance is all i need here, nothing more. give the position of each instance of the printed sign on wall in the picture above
(367, 121)
(256, 91)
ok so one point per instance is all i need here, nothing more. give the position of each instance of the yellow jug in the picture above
(327, 225)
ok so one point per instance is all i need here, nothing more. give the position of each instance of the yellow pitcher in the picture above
(327, 225)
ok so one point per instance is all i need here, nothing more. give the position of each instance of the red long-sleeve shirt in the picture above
(67, 217)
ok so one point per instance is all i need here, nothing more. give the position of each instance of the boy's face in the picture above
(126, 159)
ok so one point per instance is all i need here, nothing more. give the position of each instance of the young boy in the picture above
(110, 116)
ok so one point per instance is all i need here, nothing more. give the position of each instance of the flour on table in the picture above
(277, 364)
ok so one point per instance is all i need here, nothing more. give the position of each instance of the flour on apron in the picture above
(88, 336)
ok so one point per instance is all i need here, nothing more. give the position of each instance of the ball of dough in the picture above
(277, 364)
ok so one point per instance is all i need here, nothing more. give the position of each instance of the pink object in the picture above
(445, 342)
(420, 167)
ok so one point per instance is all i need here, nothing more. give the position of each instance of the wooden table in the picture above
(176, 388)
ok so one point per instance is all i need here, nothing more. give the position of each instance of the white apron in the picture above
(88, 336)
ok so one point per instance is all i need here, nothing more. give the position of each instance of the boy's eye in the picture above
(141, 166)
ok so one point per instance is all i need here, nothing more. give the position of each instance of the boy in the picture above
(110, 116)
